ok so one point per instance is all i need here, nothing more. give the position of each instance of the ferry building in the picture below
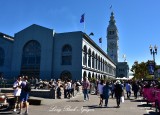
(39, 52)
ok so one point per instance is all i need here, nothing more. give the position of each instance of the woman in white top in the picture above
(17, 92)
(100, 91)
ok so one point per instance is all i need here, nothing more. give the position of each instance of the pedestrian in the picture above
(112, 89)
(17, 92)
(128, 89)
(100, 91)
(65, 89)
(135, 88)
(26, 88)
(69, 86)
(36, 83)
(106, 93)
(118, 92)
(77, 86)
(85, 88)
(59, 89)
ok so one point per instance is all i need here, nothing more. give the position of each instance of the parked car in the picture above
(4, 104)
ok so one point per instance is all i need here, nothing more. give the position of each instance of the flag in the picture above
(91, 34)
(100, 40)
(82, 18)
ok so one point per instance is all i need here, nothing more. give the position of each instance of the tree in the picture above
(140, 70)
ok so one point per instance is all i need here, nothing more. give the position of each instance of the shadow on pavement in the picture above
(74, 101)
(7, 113)
(152, 113)
(139, 100)
(144, 105)
(97, 106)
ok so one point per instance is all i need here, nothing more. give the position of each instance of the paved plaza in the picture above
(76, 106)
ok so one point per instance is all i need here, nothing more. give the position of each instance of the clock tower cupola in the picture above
(112, 39)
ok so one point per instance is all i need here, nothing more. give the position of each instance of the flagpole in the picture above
(101, 45)
(84, 25)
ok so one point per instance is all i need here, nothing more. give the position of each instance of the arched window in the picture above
(31, 57)
(93, 59)
(84, 74)
(2, 56)
(67, 55)
(89, 58)
(99, 62)
(89, 76)
(84, 55)
(96, 60)
(101, 66)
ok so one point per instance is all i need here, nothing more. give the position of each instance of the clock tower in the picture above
(112, 39)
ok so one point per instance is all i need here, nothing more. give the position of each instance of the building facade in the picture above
(39, 52)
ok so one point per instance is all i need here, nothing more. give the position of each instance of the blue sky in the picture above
(138, 21)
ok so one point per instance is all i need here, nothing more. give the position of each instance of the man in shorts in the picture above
(24, 96)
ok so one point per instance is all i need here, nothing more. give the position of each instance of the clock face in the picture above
(112, 45)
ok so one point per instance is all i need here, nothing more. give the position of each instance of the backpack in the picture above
(27, 88)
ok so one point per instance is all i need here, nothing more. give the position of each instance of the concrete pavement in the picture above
(78, 106)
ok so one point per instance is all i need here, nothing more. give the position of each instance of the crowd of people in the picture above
(21, 93)
(105, 89)
(22, 86)
(117, 89)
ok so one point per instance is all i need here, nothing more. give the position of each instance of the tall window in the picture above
(84, 55)
(2, 56)
(31, 57)
(96, 60)
(89, 58)
(93, 59)
(67, 55)
(99, 63)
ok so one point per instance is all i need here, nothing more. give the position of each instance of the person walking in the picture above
(128, 89)
(36, 83)
(65, 89)
(112, 89)
(100, 91)
(135, 88)
(17, 92)
(69, 86)
(26, 88)
(106, 93)
(85, 88)
(118, 92)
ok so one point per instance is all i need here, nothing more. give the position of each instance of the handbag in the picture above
(122, 99)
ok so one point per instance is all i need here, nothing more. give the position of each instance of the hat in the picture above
(118, 82)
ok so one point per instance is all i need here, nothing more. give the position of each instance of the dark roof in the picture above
(7, 37)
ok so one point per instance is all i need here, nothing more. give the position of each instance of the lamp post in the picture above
(153, 51)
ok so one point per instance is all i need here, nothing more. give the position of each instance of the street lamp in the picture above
(153, 51)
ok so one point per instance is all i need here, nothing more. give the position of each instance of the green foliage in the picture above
(140, 70)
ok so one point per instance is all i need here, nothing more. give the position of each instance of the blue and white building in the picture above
(39, 52)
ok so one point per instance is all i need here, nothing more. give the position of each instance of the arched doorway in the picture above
(89, 76)
(84, 74)
(31, 56)
(121, 75)
(65, 75)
